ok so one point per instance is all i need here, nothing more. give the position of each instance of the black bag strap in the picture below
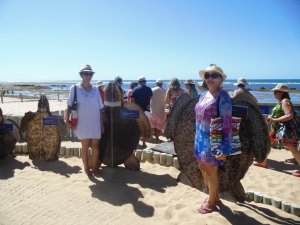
(75, 94)
(74, 105)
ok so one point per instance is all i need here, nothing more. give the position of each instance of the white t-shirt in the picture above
(157, 104)
(89, 106)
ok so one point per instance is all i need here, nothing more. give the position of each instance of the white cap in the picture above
(159, 81)
(142, 79)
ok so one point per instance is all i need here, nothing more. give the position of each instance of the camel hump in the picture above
(256, 127)
(142, 121)
(24, 122)
(175, 114)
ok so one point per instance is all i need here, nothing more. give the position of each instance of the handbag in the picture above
(74, 116)
(289, 131)
(216, 134)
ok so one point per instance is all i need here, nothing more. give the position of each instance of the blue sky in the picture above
(50, 40)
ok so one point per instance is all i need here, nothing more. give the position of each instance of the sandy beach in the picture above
(37, 192)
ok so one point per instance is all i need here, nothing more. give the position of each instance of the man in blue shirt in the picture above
(142, 94)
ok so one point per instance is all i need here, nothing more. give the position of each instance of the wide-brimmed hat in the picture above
(142, 78)
(100, 83)
(86, 68)
(212, 68)
(189, 81)
(242, 81)
(281, 87)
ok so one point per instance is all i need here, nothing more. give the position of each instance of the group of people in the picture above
(158, 102)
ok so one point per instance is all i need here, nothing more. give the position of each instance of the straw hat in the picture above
(212, 68)
(100, 83)
(281, 87)
(200, 83)
(86, 68)
(189, 81)
(242, 81)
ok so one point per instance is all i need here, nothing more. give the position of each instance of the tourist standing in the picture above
(211, 102)
(142, 95)
(282, 114)
(133, 84)
(157, 109)
(90, 124)
(119, 82)
(241, 88)
(101, 86)
(190, 86)
(173, 92)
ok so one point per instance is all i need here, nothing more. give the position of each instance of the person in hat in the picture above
(190, 86)
(241, 88)
(202, 86)
(119, 82)
(282, 112)
(157, 109)
(1, 116)
(211, 102)
(90, 123)
(142, 95)
(173, 92)
(101, 86)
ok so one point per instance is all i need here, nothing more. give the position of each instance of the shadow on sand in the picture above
(238, 217)
(9, 165)
(58, 167)
(115, 190)
(281, 166)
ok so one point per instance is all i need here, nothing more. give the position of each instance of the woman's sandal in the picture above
(296, 174)
(204, 209)
(264, 165)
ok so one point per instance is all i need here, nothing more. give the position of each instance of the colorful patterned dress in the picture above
(278, 130)
(204, 113)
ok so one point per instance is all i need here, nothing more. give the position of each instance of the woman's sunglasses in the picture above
(87, 74)
(211, 75)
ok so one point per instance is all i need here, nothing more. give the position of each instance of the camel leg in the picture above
(238, 191)
(132, 163)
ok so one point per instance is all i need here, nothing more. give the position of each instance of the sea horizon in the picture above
(260, 88)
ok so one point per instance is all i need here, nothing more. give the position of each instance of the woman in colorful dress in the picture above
(282, 112)
(90, 123)
(212, 102)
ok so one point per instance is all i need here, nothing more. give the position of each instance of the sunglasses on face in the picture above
(87, 74)
(211, 75)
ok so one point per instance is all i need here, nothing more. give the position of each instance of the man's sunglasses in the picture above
(211, 75)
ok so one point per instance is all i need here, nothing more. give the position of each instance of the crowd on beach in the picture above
(86, 103)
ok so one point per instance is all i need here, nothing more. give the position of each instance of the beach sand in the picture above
(37, 192)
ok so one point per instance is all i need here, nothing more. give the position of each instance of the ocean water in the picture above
(260, 88)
